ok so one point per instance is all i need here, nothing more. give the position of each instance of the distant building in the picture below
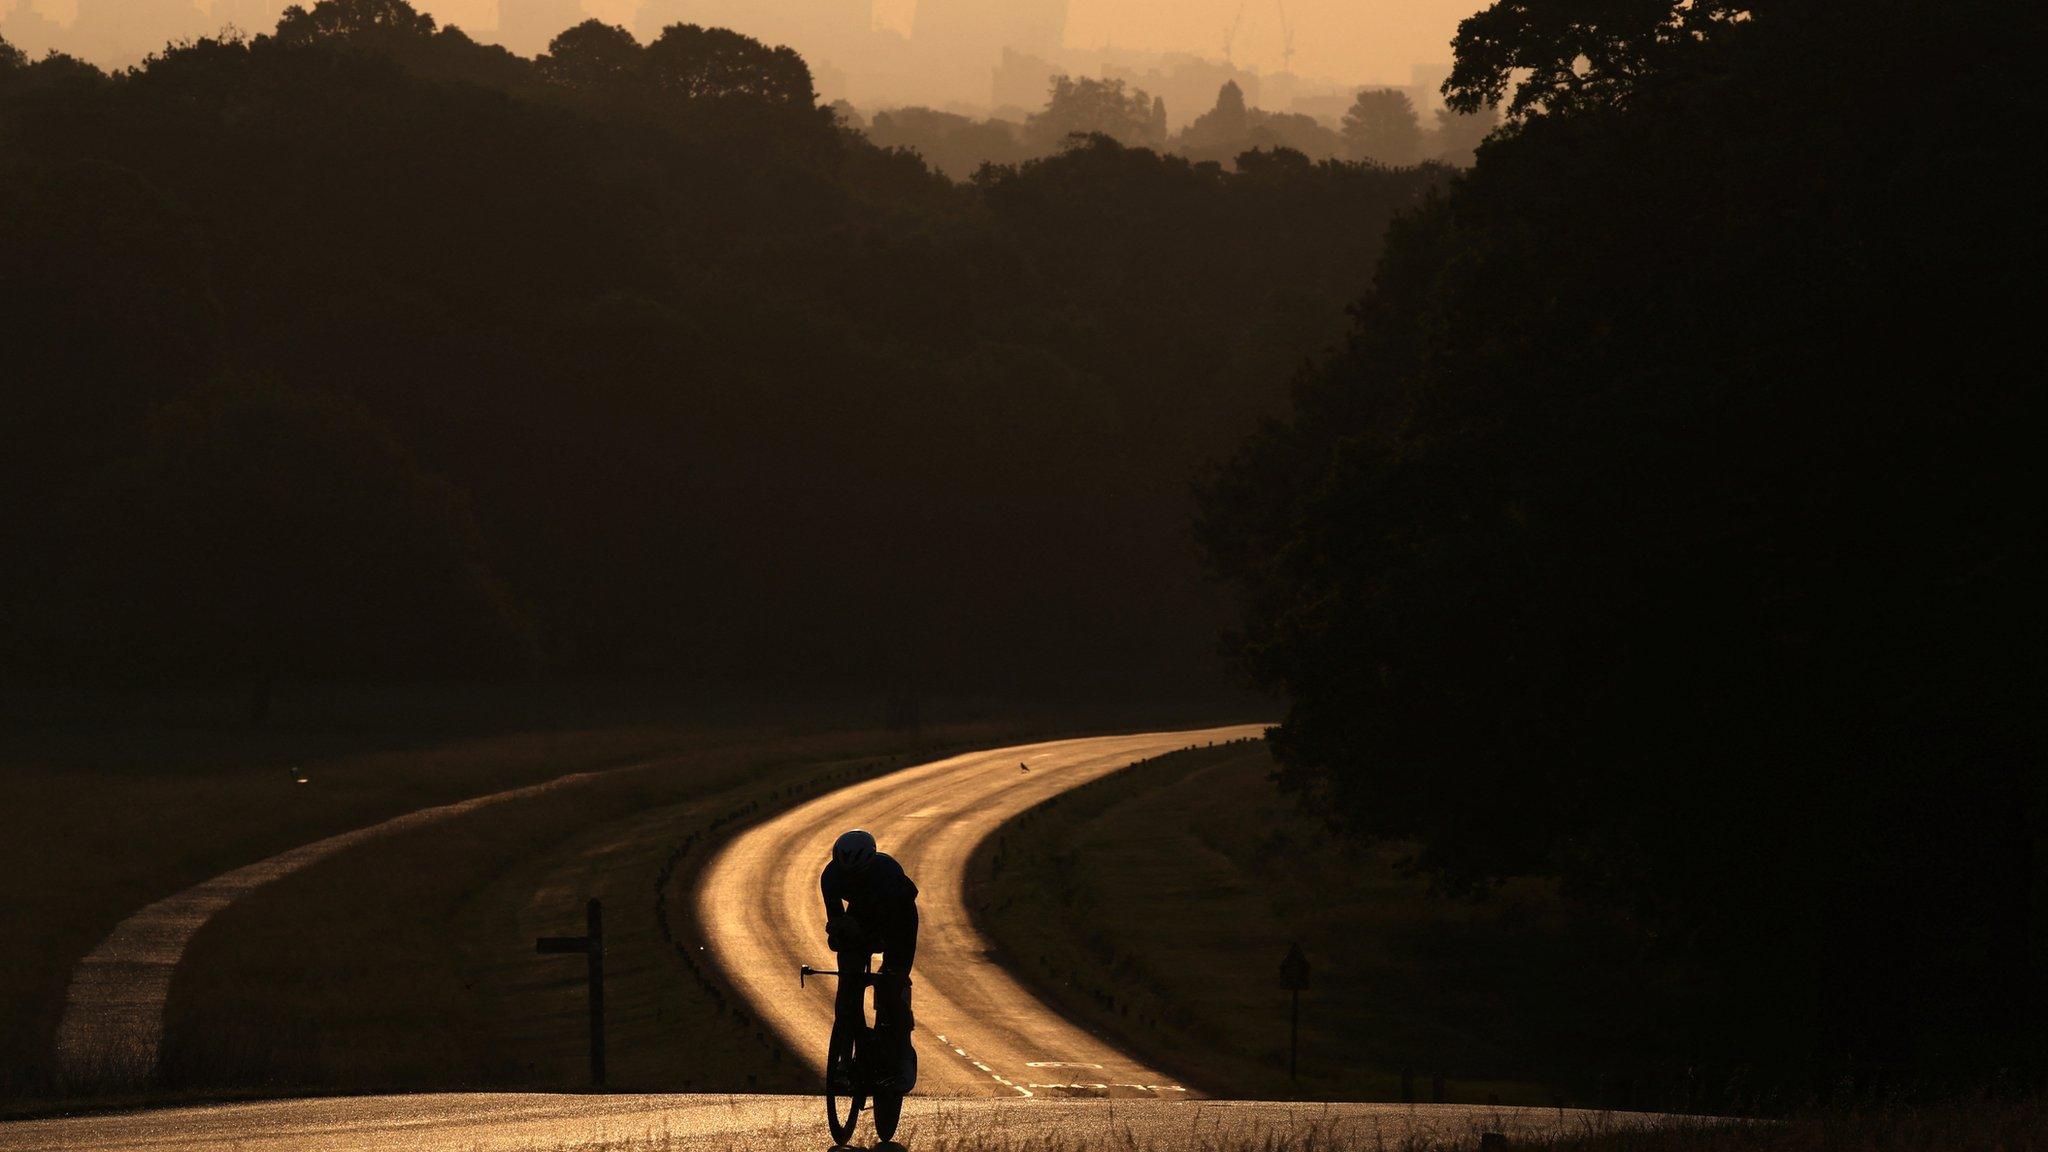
(1425, 85)
(1022, 80)
(527, 26)
(28, 29)
(981, 30)
(119, 33)
(1187, 83)
(809, 26)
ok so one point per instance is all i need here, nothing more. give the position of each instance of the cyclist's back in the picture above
(876, 893)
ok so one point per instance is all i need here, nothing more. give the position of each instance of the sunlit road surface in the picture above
(546, 1123)
(979, 1032)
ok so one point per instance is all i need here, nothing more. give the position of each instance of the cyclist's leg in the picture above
(849, 1002)
(893, 1017)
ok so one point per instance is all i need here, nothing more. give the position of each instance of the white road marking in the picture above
(1060, 1064)
(998, 1077)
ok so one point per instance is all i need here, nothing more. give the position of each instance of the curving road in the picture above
(979, 1032)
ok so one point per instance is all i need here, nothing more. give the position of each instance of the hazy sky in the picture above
(1340, 39)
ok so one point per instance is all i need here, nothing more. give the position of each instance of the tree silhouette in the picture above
(1686, 562)
(1459, 134)
(595, 59)
(1099, 107)
(375, 20)
(1381, 125)
(1574, 53)
(688, 63)
(296, 541)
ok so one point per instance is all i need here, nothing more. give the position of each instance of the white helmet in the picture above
(853, 850)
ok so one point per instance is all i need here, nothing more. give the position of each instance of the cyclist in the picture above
(870, 907)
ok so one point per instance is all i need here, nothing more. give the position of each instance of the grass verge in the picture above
(1156, 904)
(100, 826)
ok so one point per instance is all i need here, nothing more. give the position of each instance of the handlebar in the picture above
(805, 971)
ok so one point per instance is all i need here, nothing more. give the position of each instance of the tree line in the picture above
(1382, 126)
(360, 349)
(1663, 524)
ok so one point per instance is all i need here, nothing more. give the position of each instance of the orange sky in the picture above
(1340, 39)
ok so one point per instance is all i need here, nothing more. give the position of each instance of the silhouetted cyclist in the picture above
(870, 907)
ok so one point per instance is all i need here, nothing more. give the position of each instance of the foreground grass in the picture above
(1156, 905)
(1966, 1126)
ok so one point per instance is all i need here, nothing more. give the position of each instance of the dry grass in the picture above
(1968, 1126)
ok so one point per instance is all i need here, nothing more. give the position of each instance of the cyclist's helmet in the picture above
(853, 850)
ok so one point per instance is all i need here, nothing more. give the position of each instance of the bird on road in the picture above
(1023, 767)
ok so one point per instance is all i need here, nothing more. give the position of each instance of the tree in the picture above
(691, 64)
(297, 542)
(1459, 134)
(357, 20)
(1654, 532)
(1091, 106)
(1575, 53)
(12, 59)
(594, 59)
(1221, 132)
(1381, 125)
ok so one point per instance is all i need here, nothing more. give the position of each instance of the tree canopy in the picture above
(1661, 525)
(648, 366)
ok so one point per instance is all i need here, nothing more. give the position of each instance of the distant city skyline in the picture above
(1341, 41)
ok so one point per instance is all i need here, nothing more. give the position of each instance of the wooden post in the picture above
(1293, 1031)
(591, 945)
(594, 916)
(1294, 978)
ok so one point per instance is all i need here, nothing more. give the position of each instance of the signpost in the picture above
(1294, 978)
(592, 947)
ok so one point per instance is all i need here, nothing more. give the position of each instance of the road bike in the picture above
(853, 1056)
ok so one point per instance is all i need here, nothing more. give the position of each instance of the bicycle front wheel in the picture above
(845, 1087)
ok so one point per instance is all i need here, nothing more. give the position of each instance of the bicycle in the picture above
(848, 1055)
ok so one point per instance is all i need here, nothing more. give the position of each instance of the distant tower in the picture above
(526, 26)
(29, 30)
(117, 33)
(1032, 27)
(818, 29)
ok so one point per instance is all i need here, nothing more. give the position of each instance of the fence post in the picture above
(591, 945)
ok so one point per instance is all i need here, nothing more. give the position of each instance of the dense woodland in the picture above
(1664, 524)
(359, 349)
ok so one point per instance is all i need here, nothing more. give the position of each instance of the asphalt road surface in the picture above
(491, 1122)
(979, 1032)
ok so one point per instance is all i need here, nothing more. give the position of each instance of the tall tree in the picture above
(1091, 106)
(1381, 125)
(595, 59)
(361, 20)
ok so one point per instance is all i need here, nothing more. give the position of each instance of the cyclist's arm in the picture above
(835, 906)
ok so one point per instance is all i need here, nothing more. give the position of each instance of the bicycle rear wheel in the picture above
(845, 1086)
(887, 1109)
